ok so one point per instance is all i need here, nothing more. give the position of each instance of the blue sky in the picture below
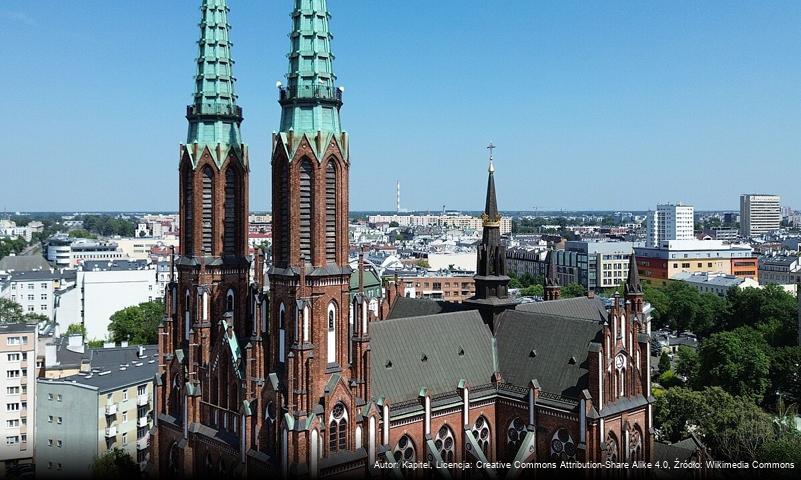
(592, 104)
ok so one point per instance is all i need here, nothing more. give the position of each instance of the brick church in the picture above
(270, 366)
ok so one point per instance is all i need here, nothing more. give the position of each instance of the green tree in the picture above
(771, 310)
(668, 379)
(11, 245)
(687, 361)
(76, 329)
(81, 233)
(573, 290)
(423, 263)
(736, 361)
(785, 373)
(659, 302)
(115, 463)
(664, 362)
(533, 291)
(784, 448)
(514, 282)
(138, 324)
(10, 312)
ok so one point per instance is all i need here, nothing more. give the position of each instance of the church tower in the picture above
(208, 304)
(318, 341)
(492, 282)
(551, 288)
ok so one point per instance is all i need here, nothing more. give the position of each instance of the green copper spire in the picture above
(310, 101)
(214, 117)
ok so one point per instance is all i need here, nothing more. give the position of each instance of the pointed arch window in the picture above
(481, 431)
(231, 222)
(562, 445)
(189, 212)
(404, 451)
(445, 443)
(332, 333)
(635, 444)
(208, 211)
(611, 447)
(281, 333)
(281, 222)
(514, 436)
(331, 212)
(338, 428)
(229, 301)
(305, 208)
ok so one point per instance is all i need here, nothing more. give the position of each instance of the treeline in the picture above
(533, 286)
(108, 226)
(741, 388)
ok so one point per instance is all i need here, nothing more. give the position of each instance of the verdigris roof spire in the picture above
(214, 117)
(310, 101)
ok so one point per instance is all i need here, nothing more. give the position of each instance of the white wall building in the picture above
(17, 393)
(34, 291)
(670, 222)
(759, 214)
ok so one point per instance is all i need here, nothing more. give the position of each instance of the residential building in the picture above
(23, 263)
(670, 222)
(450, 287)
(715, 283)
(82, 416)
(779, 269)
(659, 264)
(602, 264)
(140, 248)
(534, 262)
(759, 214)
(720, 233)
(17, 393)
(34, 291)
(444, 220)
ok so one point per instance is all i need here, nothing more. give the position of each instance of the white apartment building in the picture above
(67, 252)
(670, 222)
(34, 291)
(17, 393)
(453, 221)
(759, 214)
(102, 289)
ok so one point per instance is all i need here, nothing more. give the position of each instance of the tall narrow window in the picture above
(338, 429)
(306, 202)
(331, 213)
(189, 211)
(208, 210)
(482, 433)
(231, 221)
(281, 222)
(332, 333)
(281, 333)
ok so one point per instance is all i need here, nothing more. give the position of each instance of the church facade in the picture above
(271, 366)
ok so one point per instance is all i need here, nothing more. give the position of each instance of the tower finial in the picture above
(491, 147)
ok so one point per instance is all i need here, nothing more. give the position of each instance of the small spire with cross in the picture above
(491, 147)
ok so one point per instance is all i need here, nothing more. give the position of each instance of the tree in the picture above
(687, 361)
(664, 362)
(138, 324)
(573, 290)
(736, 361)
(115, 463)
(81, 233)
(76, 329)
(771, 310)
(423, 263)
(785, 373)
(394, 224)
(533, 291)
(659, 302)
(668, 379)
(10, 312)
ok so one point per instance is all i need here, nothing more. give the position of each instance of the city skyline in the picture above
(701, 93)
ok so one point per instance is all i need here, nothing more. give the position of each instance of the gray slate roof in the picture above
(24, 263)
(591, 309)
(456, 346)
(560, 345)
(416, 307)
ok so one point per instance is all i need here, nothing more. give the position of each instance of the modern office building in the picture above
(759, 214)
(657, 265)
(82, 416)
(670, 221)
(17, 392)
(602, 264)
(64, 251)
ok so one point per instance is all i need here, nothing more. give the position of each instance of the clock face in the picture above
(620, 361)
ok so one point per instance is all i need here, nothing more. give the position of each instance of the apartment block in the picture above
(17, 393)
(759, 214)
(659, 264)
(670, 222)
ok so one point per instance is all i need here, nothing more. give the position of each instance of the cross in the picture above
(491, 147)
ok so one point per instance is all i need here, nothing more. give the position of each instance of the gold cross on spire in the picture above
(491, 147)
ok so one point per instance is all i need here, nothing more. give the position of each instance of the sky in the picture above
(599, 105)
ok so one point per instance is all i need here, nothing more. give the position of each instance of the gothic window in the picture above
(482, 433)
(173, 459)
(611, 447)
(635, 444)
(189, 211)
(404, 450)
(515, 435)
(229, 301)
(231, 221)
(331, 212)
(208, 211)
(338, 429)
(305, 208)
(332, 333)
(281, 333)
(562, 445)
(445, 443)
(269, 422)
(281, 196)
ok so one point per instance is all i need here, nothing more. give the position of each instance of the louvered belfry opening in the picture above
(231, 220)
(208, 211)
(188, 243)
(305, 208)
(281, 242)
(331, 213)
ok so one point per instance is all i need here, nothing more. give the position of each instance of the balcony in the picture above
(213, 110)
(143, 442)
(111, 432)
(323, 92)
(141, 422)
(142, 400)
(111, 409)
